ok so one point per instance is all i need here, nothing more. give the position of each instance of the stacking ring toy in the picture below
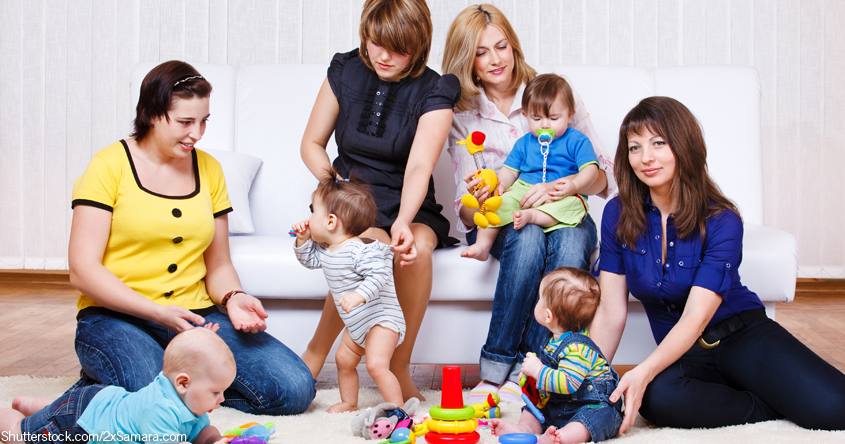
(533, 409)
(440, 438)
(451, 427)
(466, 412)
(518, 438)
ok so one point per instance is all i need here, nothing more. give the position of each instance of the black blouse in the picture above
(375, 129)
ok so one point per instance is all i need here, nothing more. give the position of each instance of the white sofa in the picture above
(262, 111)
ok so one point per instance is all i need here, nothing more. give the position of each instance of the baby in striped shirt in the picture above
(570, 368)
(359, 272)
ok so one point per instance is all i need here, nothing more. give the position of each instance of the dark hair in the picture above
(697, 195)
(164, 83)
(349, 200)
(400, 26)
(542, 91)
(573, 295)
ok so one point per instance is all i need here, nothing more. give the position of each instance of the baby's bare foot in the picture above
(476, 251)
(500, 427)
(522, 218)
(341, 407)
(549, 437)
(29, 405)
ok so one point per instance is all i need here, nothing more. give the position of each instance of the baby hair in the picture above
(400, 26)
(573, 295)
(349, 200)
(541, 92)
(194, 349)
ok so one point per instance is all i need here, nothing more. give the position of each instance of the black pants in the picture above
(759, 373)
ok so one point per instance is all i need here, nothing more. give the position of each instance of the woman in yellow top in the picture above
(149, 250)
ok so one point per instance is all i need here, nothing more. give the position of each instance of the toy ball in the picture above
(401, 435)
(518, 438)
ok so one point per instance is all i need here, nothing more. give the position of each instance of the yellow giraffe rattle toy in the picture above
(486, 215)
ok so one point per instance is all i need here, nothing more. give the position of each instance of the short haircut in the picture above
(573, 295)
(195, 350)
(400, 26)
(161, 86)
(541, 92)
(462, 44)
(349, 200)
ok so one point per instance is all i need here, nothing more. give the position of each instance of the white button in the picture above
(658, 284)
(671, 244)
(657, 237)
(642, 251)
(624, 245)
(657, 261)
(681, 263)
(667, 265)
(729, 265)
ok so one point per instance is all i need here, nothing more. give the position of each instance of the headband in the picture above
(186, 79)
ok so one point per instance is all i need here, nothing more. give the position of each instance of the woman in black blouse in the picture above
(390, 115)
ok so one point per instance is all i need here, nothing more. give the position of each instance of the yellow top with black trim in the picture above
(156, 243)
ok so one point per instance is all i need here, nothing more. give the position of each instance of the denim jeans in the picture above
(759, 373)
(117, 349)
(525, 256)
(58, 422)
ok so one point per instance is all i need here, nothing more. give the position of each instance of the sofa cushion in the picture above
(239, 171)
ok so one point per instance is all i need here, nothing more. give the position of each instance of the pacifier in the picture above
(545, 135)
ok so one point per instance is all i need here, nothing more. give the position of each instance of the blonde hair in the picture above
(462, 43)
(400, 26)
(195, 350)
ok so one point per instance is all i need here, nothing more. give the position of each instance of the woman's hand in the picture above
(633, 386)
(177, 319)
(246, 313)
(481, 194)
(402, 243)
(537, 195)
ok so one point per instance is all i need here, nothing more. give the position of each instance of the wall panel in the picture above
(66, 63)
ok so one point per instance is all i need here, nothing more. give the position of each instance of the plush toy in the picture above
(378, 422)
(486, 214)
(489, 408)
(251, 433)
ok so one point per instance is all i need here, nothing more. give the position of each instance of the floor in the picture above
(37, 313)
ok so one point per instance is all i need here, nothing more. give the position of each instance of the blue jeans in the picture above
(525, 256)
(759, 373)
(117, 349)
(57, 423)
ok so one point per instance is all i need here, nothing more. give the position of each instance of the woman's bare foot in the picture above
(500, 427)
(406, 383)
(477, 251)
(341, 407)
(28, 405)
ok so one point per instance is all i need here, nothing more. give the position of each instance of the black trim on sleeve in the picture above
(91, 203)
(222, 212)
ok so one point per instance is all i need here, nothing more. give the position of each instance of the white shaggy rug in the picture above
(317, 426)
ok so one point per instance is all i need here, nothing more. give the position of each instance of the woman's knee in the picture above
(114, 352)
(525, 244)
(659, 401)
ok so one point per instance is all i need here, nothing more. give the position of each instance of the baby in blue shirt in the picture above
(550, 151)
(198, 367)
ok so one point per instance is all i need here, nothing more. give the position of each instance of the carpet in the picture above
(317, 426)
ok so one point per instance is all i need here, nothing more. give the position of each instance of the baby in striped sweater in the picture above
(359, 272)
(570, 367)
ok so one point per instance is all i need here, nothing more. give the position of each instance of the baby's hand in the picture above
(563, 188)
(351, 300)
(302, 230)
(532, 365)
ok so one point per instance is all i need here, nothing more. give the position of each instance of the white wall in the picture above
(65, 64)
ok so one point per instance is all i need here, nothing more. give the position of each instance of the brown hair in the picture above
(573, 295)
(541, 92)
(696, 194)
(400, 26)
(349, 200)
(196, 349)
(462, 44)
(164, 83)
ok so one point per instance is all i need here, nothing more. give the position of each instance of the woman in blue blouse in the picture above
(674, 241)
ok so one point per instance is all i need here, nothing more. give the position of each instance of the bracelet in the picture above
(226, 298)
